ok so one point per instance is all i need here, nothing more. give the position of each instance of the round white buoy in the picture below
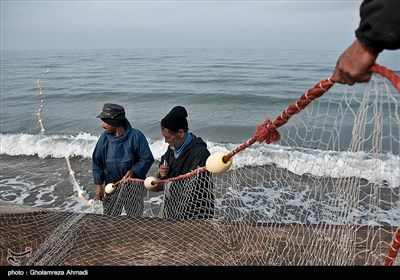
(148, 183)
(215, 163)
(110, 188)
(91, 202)
(81, 193)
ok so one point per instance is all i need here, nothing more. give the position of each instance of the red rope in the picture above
(267, 131)
(183, 176)
(177, 178)
(394, 248)
(388, 74)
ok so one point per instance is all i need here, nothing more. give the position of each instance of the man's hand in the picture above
(163, 171)
(128, 174)
(99, 192)
(353, 65)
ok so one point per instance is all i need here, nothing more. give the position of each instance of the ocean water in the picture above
(50, 100)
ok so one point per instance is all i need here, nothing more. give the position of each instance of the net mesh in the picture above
(264, 214)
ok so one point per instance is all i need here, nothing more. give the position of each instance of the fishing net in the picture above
(273, 212)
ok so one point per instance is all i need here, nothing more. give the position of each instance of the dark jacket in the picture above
(191, 198)
(380, 24)
(113, 157)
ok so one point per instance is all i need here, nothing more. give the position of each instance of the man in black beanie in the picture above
(121, 152)
(188, 198)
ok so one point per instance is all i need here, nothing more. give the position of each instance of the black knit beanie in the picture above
(176, 119)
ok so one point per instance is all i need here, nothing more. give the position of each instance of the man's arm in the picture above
(379, 29)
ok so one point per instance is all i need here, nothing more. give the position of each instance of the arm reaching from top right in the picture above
(379, 30)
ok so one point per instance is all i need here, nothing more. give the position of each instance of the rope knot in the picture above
(267, 132)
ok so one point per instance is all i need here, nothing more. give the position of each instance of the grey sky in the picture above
(281, 24)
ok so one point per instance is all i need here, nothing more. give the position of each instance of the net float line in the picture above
(41, 107)
(81, 193)
(162, 181)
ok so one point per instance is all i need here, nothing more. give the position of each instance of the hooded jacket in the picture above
(113, 157)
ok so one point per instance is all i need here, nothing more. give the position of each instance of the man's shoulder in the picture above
(200, 147)
(102, 137)
(199, 143)
(135, 131)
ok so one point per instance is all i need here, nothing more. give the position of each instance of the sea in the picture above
(50, 100)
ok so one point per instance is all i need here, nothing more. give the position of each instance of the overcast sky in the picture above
(277, 24)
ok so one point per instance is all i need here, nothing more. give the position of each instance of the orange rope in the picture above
(388, 74)
(177, 178)
(394, 248)
(183, 176)
(267, 131)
